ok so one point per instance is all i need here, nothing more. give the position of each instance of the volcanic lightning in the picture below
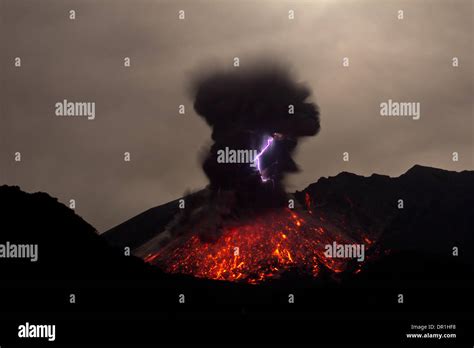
(257, 158)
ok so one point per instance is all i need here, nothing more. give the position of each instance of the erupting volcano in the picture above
(266, 247)
(244, 226)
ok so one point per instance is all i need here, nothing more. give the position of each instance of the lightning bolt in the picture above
(257, 158)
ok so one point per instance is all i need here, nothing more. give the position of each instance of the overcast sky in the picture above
(137, 107)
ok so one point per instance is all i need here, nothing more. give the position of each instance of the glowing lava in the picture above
(270, 245)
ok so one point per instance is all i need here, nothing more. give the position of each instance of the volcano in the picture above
(245, 227)
(346, 209)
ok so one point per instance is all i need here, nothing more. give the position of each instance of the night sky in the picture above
(406, 60)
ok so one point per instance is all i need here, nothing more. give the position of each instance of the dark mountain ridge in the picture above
(437, 215)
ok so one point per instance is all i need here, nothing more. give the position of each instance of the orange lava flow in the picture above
(263, 249)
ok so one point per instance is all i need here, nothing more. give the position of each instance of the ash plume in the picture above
(247, 108)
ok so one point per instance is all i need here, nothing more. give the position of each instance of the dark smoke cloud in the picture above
(244, 106)
(255, 99)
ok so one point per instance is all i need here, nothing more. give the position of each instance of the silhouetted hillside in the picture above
(68, 247)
